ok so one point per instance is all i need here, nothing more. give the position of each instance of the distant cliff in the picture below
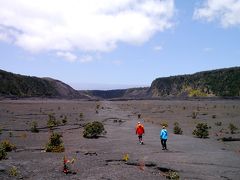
(132, 93)
(221, 82)
(15, 85)
(215, 83)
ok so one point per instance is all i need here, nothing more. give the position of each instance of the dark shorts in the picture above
(140, 136)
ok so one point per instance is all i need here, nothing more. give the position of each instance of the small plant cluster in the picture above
(52, 122)
(177, 129)
(3, 153)
(8, 146)
(5, 147)
(125, 157)
(34, 127)
(173, 175)
(93, 130)
(232, 128)
(64, 120)
(201, 130)
(13, 171)
(55, 143)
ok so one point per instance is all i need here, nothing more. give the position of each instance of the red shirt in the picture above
(139, 129)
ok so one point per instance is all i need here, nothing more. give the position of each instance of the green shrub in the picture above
(34, 128)
(55, 143)
(201, 130)
(173, 175)
(7, 145)
(3, 153)
(52, 121)
(64, 120)
(13, 171)
(93, 130)
(232, 128)
(177, 129)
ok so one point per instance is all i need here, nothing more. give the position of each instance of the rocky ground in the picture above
(188, 157)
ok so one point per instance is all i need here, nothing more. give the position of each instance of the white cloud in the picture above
(86, 25)
(158, 48)
(86, 58)
(225, 11)
(67, 56)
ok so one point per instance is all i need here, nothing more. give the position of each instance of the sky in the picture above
(116, 44)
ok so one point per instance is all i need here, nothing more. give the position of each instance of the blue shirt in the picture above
(163, 134)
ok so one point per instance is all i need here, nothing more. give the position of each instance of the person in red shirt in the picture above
(140, 131)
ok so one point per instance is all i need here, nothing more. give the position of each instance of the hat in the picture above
(138, 122)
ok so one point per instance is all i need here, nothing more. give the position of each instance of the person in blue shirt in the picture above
(164, 137)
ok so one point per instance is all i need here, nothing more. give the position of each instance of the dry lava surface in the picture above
(117, 154)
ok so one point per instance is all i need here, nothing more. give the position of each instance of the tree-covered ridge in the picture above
(25, 86)
(221, 82)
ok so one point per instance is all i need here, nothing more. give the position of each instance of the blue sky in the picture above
(117, 44)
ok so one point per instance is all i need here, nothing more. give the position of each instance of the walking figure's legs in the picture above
(140, 139)
(164, 144)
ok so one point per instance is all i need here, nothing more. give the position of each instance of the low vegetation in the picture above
(232, 128)
(173, 175)
(34, 127)
(55, 143)
(52, 122)
(7, 145)
(177, 129)
(93, 130)
(3, 153)
(64, 120)
(201, 130)
(13, 171)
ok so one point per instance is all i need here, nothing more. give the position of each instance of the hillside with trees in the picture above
(220, 83)
(15, 85)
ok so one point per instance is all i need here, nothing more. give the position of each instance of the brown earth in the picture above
(102, 158)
